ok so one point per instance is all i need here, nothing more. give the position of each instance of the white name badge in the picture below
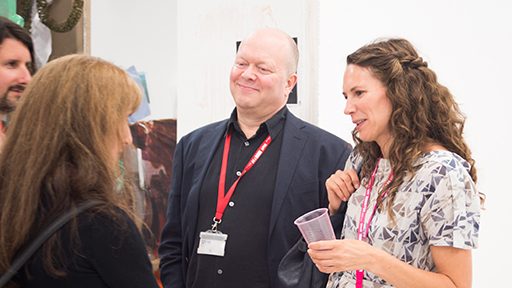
(212, 243)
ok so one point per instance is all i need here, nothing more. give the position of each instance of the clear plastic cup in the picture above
(316, 225)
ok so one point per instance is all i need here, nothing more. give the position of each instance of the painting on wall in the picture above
(154, 142)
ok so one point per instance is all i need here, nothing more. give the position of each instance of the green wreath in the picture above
(42, 10)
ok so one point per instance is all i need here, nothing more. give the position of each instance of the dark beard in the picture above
(7, 105)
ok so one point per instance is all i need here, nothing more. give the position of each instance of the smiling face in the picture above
(260, 81)
(14, 73)
(368, 105)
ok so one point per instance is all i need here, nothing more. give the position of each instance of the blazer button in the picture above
(219, 271)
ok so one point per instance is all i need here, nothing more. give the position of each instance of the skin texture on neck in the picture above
(251, 123)
(384, 147)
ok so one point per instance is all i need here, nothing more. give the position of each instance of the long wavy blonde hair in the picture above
(424, 111)
(58, 151)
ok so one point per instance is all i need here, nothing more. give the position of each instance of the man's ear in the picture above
(290, 83)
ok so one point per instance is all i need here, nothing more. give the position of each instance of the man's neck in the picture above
(249, 126)
(250, 123)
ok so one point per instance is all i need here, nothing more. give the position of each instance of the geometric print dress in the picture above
(440, 206)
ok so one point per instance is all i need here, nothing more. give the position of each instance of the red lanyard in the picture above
(222, 201)
(361, 232)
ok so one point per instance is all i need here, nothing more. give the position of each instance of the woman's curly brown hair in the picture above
(424, 111)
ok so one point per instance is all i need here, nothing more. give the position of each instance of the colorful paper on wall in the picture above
(144, 105)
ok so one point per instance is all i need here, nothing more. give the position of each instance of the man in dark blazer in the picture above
(238, 185)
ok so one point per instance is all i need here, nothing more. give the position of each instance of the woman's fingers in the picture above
(340, 186)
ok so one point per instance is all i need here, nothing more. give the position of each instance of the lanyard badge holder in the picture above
(213, 242)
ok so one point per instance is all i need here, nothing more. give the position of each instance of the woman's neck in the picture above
(384, 148)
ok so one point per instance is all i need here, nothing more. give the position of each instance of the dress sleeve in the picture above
(117, 252)
(451, 213)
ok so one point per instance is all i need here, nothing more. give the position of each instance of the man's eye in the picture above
(359, 93)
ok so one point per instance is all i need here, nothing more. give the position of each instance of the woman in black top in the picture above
(63, 147)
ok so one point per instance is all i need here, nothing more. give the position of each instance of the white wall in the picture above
(140, 33)
(207, 35)
(187, 48)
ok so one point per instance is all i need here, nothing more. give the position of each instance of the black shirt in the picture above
(247, 216)
(110, 255)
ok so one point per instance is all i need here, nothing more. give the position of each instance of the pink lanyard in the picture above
(222, 201)
(361, 232)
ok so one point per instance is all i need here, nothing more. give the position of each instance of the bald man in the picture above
(237, 185)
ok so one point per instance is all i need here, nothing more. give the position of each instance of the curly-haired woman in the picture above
(414, 216)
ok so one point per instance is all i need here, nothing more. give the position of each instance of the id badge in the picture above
(212, 243)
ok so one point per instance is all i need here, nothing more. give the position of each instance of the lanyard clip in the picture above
(215, 223)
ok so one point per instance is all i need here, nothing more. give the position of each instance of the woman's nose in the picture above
(127, 139)
(349, 107)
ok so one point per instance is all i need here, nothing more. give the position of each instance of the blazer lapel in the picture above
(294, 140)
(207, 148)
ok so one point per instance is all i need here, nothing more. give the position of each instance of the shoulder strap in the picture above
(26, 253)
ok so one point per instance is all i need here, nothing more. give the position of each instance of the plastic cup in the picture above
(315, 225)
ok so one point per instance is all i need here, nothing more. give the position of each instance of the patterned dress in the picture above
(440, 206)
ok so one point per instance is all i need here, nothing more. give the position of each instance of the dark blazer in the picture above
(309, 155)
